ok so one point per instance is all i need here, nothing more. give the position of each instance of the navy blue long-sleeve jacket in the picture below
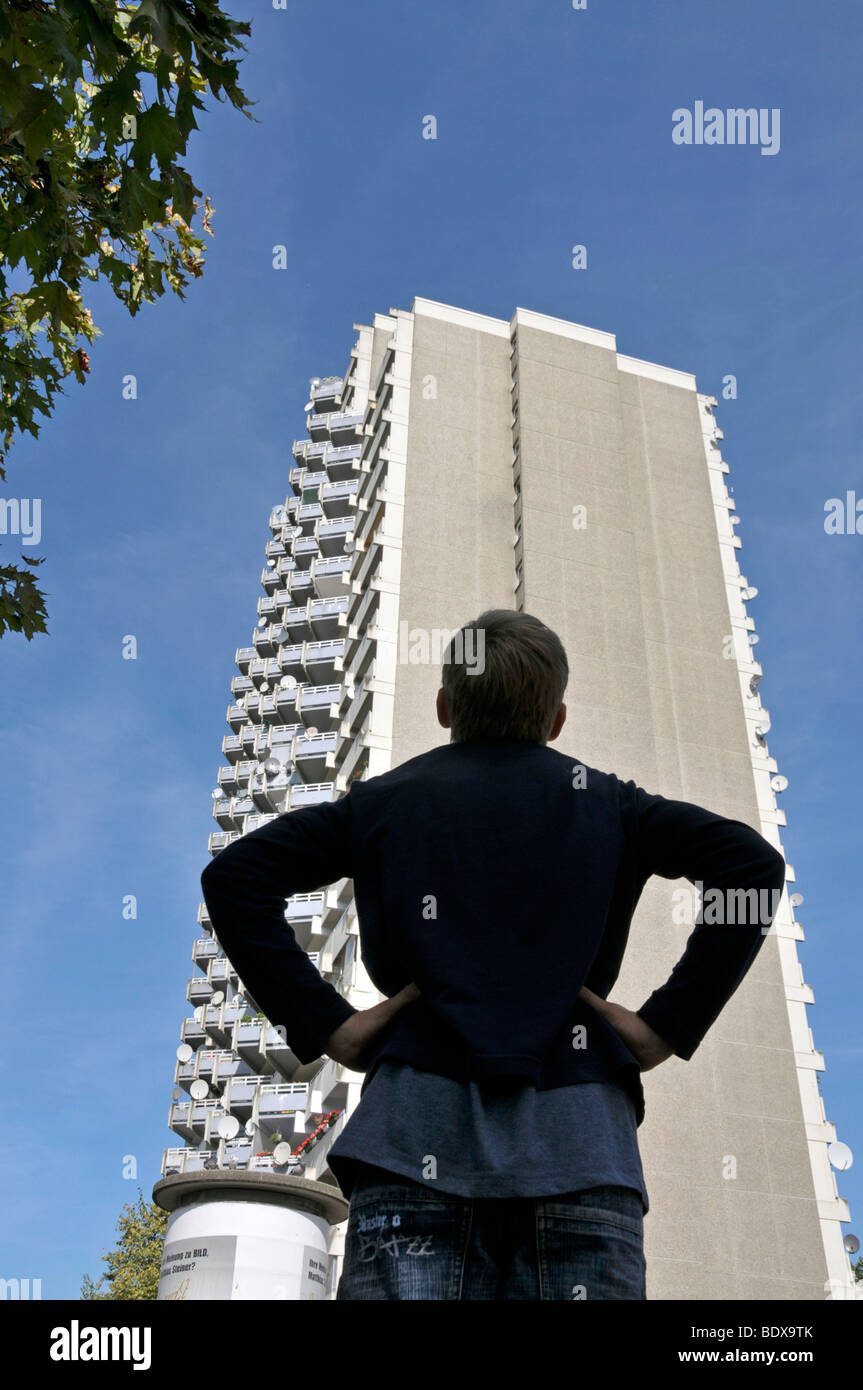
(500, 879)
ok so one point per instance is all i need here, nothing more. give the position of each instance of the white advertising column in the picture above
(253, 1235)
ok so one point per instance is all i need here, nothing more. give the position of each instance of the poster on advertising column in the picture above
(315, 1278)
(191, 1271)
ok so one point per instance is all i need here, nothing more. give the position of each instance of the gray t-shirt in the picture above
(493, 1138)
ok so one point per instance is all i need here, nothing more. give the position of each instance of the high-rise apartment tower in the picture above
(464, 463)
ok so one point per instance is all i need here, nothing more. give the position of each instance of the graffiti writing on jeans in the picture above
(372, 1244)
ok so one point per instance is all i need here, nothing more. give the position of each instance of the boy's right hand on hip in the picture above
(647, 1047)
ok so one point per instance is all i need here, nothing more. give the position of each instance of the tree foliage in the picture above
(133, 1267)
(97, 103)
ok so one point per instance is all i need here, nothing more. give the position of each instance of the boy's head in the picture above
(504, 676)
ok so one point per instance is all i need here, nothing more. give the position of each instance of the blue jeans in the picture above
(406, 1241)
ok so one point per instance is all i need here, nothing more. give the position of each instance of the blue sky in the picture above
(554, 128)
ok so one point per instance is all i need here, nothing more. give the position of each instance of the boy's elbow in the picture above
(211, 873)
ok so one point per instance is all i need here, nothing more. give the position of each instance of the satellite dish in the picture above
(311, 729)
(753, 639)
(851, 1243)
(779, 783)
(185, 1053)
(199, 1090)
(288, 682)
(796, 899)
(750, 593)
(176, 1094)
(271, 564)
(210, 1163)
(310, 406)
(265, 685)
(217, 794)
(198, 1014)
(840, 1156)
(218, 997)
(262, 622)
(282, 1153)
(272, 767)
(249, 1129)
(229, 1126)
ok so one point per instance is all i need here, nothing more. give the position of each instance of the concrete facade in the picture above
(643, 588)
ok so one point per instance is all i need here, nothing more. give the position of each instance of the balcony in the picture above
(204, 948)
(285, 705)
(243, 656)
(312, 794)
(217, 1021)
(310, 754)
(302, 909)
(231, 812)
(281, 736)
(299, 589)
(291, 660)
(332, 534)
(330, 576)
(283, 569)
(192, 1119)
(232, 747)
(317, 426)
(296, 623)
(341, 461)
(270, 709)
(222, 975)
(184, 1160)
(327, 394)
(337, 499)
(265, 641)
(266, 670)
(318, 706)
(305, 549)
(199, 991)
(236, 717)
(344, 426)
(229, 781)
(278, 1100)
(220, 838)
(269, 792)
(320, 660)
(324, 614)
(257, 819)
(253, 708)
